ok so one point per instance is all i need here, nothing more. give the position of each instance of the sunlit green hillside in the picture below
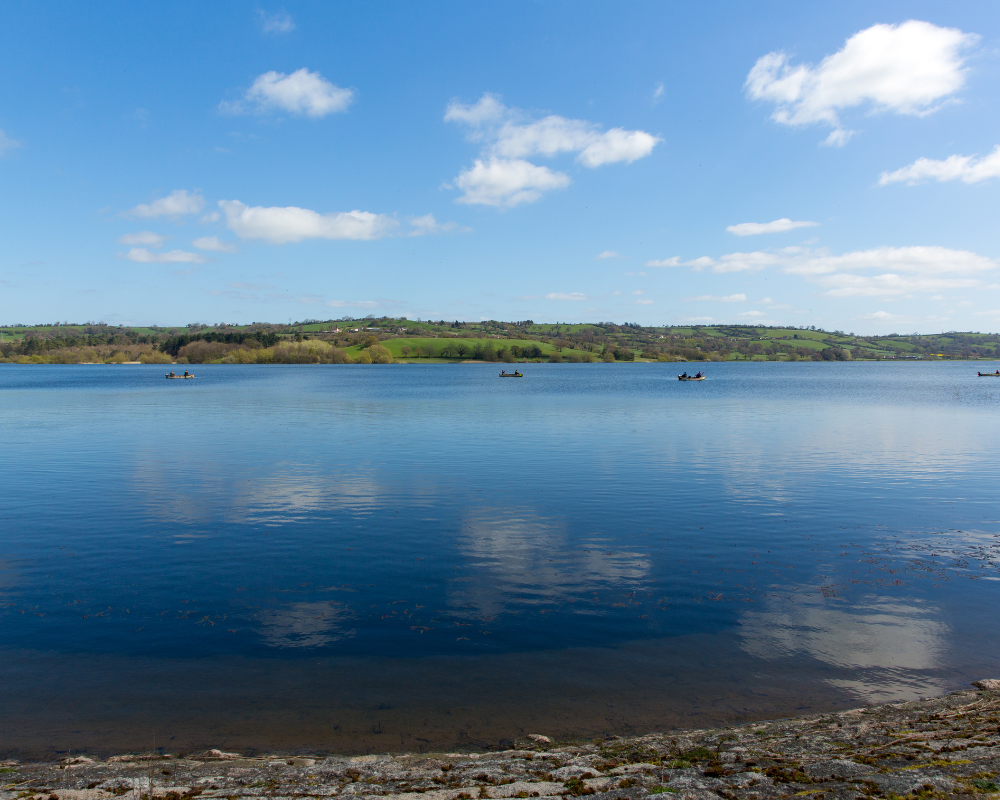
(427, 341)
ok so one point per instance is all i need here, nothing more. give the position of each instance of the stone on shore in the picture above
(946, 747)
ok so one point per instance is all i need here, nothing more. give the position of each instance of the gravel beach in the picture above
(931, 748)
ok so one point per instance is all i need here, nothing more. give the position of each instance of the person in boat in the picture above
(685, 374)
(171, 375)
(698, 375)
(185, 373)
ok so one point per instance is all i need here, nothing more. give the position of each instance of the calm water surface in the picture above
(415, 558)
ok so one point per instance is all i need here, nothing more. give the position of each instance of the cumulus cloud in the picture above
(509, 137)
(214, 244)
(426, 224)
(178, 203)
(143, 256)
(147, 238)
(278, 225)
(607, 254)
(968, 169)
(729, 298)
(280, 22)
(302, 92)
(777, 226)
(897, 271)
(507, 182)
(564, 296)
(908, 68)
(6, 143)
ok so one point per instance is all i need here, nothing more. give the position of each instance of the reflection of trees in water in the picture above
(523, 559)
(885, 642)
(305, 625)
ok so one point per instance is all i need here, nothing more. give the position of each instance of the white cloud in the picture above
(563, 296)
(778, 226)
(751, 314)
(644, 302)
(147, 238)
(675, 261)
(6, 143)
(352, 303)
(211, 216)
(175, 204)
(508, 138)
(658, 93)
(899, 270)
(302, 92)
(214, 244)
(291, 224)
(143, 256)
(908, 68)
(882, 316)
(617, 145)
(507, 182)
(638, 291)
(428, 225)
(920, 260)
(967, 169)
(729, 298)
(281, 22)
(607, 254)
(744, 262)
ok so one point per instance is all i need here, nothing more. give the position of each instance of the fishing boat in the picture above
(989, 374)
(170, 376)
(514, 374)
(686, 377)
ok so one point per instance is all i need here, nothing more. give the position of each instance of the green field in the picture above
(396, 347)
(64, 343)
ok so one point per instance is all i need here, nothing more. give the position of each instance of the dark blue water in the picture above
(405, 558)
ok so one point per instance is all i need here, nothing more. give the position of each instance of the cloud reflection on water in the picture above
(527, 559)
(305, 625)
(884, 643)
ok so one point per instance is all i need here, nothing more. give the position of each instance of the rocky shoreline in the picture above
(935, 748)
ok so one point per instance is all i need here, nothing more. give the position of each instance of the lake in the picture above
(409, 558)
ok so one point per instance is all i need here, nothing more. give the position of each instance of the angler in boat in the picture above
(179, 377)
(989, 374)
(685, 377)
(514, 374)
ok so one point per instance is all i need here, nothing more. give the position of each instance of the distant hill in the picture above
(424, 341)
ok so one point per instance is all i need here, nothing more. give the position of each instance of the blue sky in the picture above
(661, 163)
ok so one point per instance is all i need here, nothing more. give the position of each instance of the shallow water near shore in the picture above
(361, 559)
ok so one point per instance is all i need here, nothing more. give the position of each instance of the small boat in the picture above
(170, 376)
(989, 374)
(514, 374)
(686, 377)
